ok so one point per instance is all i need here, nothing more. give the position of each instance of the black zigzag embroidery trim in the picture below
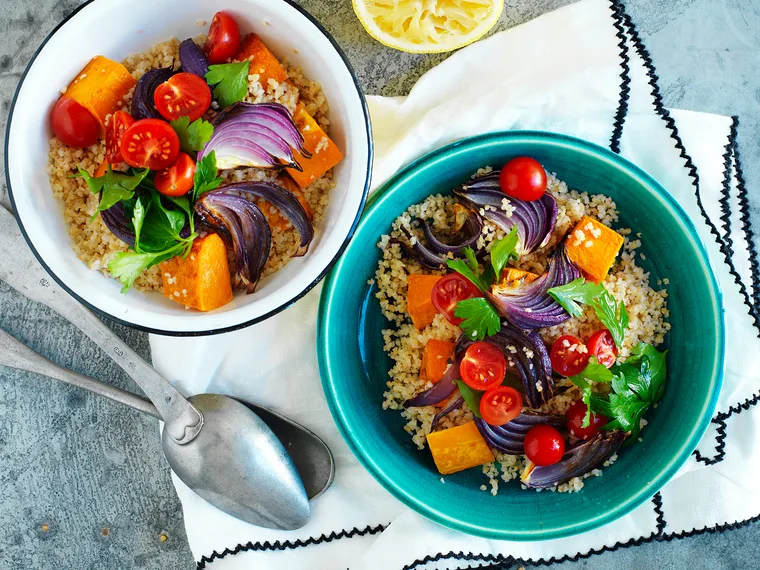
(287, 544)
(625, 78)
(720, 421)
(744, 211)
(671, 124)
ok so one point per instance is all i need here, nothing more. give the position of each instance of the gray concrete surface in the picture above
(82, 481)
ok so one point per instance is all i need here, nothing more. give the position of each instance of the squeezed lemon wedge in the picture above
(427, 26)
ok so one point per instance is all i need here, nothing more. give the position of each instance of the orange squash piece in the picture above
(458, 448)
(324, 152)
(592, 246)
(435, 359)
(262, 60)
(101, 169)
(100, 87)
(418, 303)
(202, 279)
(512, 276)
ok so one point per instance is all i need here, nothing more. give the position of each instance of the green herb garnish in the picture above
(471, 397)
(504, 250)
(231, 80)
(480, 318)
(206, 178)
(192, 136)
(115, 186)
(613, 315)
(469, 268)
(594, 372)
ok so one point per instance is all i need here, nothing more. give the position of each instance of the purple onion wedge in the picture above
(261, 135)
(510, 437)
(534, 220)
(193, 58)
(578, 460)
(244, 228)
(472, 227)
(142, 99)
(280, 198)
(528, 305)
(527, 354)
(453, 405)
(417, 250)
(116, 221)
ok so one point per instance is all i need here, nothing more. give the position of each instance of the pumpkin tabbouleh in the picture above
(404, 343)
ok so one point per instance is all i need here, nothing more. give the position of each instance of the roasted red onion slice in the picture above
(116, 221)
(142, 99)
(510, 437)
(453, 405)
(446, 386)
(529, 306)
(245, 230)
(527, 354)
(261, 135)
(280, 198)
(417, 250)
(534, 220)
(472, 228)
(578, 460)
(193, 58)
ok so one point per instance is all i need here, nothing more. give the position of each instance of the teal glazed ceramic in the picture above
(354, 367)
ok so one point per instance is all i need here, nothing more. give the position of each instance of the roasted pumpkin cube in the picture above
(592, 246)
(458, 448)
(419, 305)
(324, 152)
(202, 279)
(435, 359)
(513, 277)
(263, 62)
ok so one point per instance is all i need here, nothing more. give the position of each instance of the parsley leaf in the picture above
(231, 80)
(206, 178)
(113, 186)
(655, 369)
(469, 269)
(192, 136)
(594, 371)
(504, 250)
(612, 314)
(126, 266)
(471, 397)
(480, 318)
(577, 291)
(586, 396)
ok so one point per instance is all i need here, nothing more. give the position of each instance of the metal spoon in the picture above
(311, 456)
(227, 454)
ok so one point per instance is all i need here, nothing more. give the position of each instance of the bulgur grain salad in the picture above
(193, 168)
(525, 341)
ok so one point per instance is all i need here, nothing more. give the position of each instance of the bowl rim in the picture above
(242, 325)
(631, 502)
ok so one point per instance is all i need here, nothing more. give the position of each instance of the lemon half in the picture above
(427, 26)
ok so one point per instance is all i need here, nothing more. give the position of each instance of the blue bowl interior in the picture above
(354, 366)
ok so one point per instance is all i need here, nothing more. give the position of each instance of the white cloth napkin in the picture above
(580, 70)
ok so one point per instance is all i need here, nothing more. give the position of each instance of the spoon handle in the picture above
(15, 354)
(20, 270)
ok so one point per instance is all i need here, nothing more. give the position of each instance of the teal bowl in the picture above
(354, 367)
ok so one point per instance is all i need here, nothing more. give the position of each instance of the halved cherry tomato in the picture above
(544, 445)
(483, 366)
(150, 143)
(223, 38)
(575, 415)
(500, 405)
(603, 347)
(177, 180)
(117, 126)
(523, 178)
(182, 95)
(569, 355)
(449, 290)
(73, 124)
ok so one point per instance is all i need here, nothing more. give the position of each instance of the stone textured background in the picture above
(92, 472)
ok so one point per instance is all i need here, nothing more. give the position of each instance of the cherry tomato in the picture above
(73, 124)
(182, 95)
(449, 290)
(483, 366)
(223, 38)
(544, 445)
(119, 123)
(575, 415)
(603, 347)
(523, 178)
(150, 143)
(569, 355)
(500, 405)
(177, 180)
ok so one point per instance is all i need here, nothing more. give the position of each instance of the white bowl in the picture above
(117, 29)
